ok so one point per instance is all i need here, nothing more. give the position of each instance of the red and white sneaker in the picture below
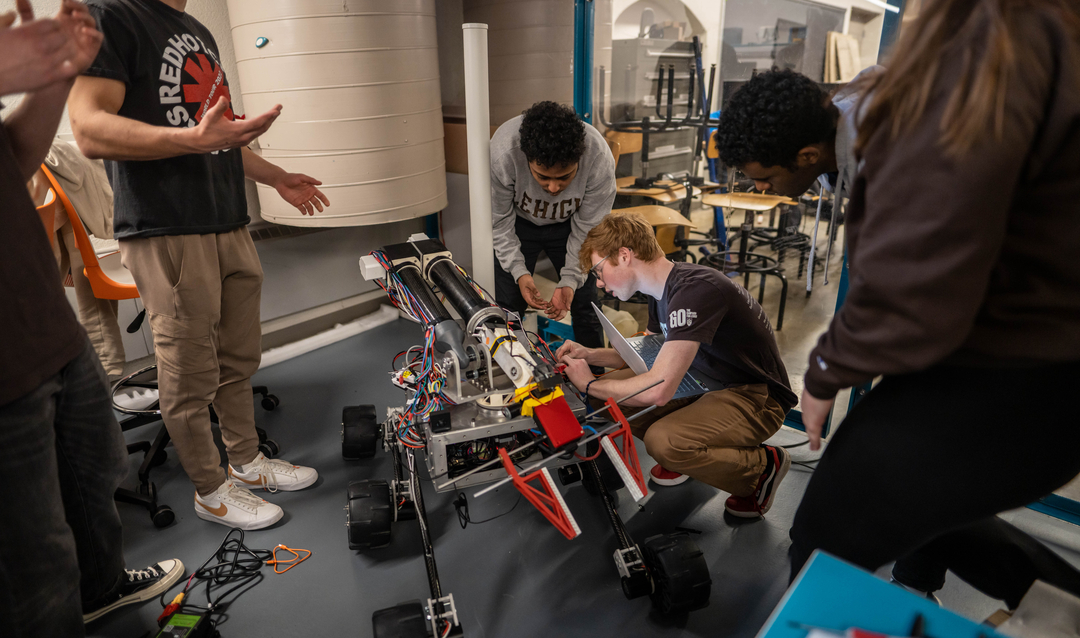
(777, 464)
(667, 478)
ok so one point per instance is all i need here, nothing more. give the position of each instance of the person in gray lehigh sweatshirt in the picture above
(552, 180)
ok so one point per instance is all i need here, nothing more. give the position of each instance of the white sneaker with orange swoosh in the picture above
(234, 506)
(272, 475)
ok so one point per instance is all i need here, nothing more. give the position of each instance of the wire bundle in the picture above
(399, 294)
(428, 397)
(235, 568)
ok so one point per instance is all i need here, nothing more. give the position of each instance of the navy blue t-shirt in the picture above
(738, 346)
(170, 66)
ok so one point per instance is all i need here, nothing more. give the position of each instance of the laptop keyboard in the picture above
(649, 350)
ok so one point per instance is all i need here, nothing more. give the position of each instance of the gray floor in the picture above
(515, 576)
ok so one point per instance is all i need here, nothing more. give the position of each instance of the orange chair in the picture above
(108, 277)
(47, 212)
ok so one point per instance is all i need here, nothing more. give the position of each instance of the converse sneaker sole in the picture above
(153, 591)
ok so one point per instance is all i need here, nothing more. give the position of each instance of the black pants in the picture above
(63, 455)
(923, 463)
(551, 240)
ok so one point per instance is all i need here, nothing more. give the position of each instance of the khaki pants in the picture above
(715, 437)
(202, 295)
(98, 316)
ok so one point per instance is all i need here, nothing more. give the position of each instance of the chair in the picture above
(47, 212)
(621, 142)
(109, 279)
(748, 263)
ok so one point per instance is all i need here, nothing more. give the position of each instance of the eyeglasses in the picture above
(595, 270)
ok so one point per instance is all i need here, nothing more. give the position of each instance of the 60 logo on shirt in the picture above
(681, 318)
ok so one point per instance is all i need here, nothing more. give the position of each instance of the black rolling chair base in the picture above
(752, 264)
(155, 454)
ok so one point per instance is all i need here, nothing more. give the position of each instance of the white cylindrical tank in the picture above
(358, 81)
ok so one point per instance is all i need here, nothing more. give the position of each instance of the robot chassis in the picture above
(498, 391)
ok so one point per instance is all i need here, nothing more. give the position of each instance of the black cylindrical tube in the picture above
(414, 281)
(458, 291)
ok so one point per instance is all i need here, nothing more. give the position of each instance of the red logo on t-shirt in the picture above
(209, 85)
(188, 64)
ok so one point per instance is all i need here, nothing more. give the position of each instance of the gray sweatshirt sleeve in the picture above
(599, 196)
(504, 239)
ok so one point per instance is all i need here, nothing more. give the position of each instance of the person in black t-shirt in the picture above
(62, 453)
(155, 104)
(708, 322)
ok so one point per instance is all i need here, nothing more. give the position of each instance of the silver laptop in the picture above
(639, 353)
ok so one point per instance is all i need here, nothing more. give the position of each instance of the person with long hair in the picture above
(965, 294)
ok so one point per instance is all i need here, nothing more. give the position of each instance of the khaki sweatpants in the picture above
(715, 437)
(202, 295)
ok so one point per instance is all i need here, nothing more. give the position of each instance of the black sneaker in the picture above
(142, 585)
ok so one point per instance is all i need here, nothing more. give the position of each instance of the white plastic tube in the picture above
(478, 135)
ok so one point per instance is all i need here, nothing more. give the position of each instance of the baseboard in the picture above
(302, 325)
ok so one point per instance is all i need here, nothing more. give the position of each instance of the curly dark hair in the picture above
(772, 117)
(552, 134)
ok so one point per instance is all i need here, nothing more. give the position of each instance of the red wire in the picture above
(590, 458)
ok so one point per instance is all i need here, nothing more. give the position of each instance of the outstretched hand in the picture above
(216, 132)
(560, 303)
(300, 191)
(531, 293)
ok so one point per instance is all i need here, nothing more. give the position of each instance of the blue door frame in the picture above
(584, 14)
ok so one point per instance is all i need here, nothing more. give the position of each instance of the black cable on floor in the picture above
(236, 570)
(462, 507)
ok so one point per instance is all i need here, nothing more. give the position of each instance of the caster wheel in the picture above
(147, 489)
(637, 585)
(159, 458)
(680, 575)
(370, 514)
(269, 402)
(269, 448)
(404, 621)
(162, 516)
(359, 432)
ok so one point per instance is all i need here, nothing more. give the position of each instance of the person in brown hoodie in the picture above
(965, 294)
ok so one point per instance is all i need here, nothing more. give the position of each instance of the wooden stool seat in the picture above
(756, 202)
